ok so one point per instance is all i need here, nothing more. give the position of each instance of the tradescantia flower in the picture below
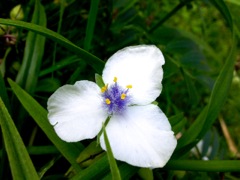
(138, 131)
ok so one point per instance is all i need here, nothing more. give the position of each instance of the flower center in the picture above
(116, 98)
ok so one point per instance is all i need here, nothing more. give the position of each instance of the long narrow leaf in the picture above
(96, 170)
(92, 60)
(126, 170)
(20, 162)
(206, 166)
(62, 8)
(61, 64)
(170, 14)
(222, 7)
(33, 53)
(113, 165)
(3, 92)
(39, 114)
(211, 111)
(91, 24)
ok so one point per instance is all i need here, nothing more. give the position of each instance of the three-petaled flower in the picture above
(138, 131)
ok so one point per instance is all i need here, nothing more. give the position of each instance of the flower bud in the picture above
(3, 29)
(17, 13)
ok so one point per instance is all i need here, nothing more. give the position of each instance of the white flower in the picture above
(138, 131)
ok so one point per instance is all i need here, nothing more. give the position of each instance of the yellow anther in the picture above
(115, 79)
(104, 88)
(123, 96)
(129, 86)
(108, 101)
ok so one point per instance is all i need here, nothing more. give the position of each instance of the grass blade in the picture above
(33, 53)
(3, 93)
(61, 12)
(101, 166)
(20, 162)
(206, 166)
(222, 7)
(98, 169)
(91, 24)
(92, 60)
(170, 14)
(126, 170)
(113, 165)
(211, 111)
(39, 114)
(61, 64)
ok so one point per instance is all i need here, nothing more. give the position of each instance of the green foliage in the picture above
(17, 152)
(112, 162)
(33, 52)
(63, 41)
(39, 114)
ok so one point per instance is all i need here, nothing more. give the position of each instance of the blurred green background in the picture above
(70, 40)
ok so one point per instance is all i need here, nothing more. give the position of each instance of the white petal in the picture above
(142, 137)
(76, 111)
(139, 66)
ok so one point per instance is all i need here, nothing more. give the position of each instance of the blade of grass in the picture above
(170, 14)
(47, 166)
(91, 24)
(90, 153)
(222, 7)
(3, 93)
(126, 170)
(206, 166)
(175, 119)
(40, 150)
(177, 122)
(33, 53)
(217, 99)
(39, 114)
(192, 91)
(61, 11)
(95, 171)
(92, 60)
(112, 162)
(20, 162)
(61, 64)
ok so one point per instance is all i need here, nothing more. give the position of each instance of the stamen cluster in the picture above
(116, 98)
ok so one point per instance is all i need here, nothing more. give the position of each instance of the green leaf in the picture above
(236, 2)
(146, 173)
(176, 119)
(40, 150)
(61, 64)
(3, 92)
(92, 60)
(39, 114)
(96, 170)
(33, 53)
(179, 126)
(62, 8)
(222, 7)
(217, 99)
(91, 24)
(113, 165)
(192, 91)
(99, 80)
(47, 166)
(177, 122)
(206, 166)
(90, 154)
(48, 85)
(126, 170)
(20, 162)
(170, 14)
